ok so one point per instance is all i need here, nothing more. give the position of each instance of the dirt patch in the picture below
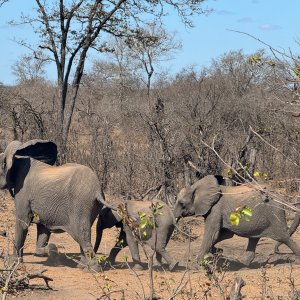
(269, 275)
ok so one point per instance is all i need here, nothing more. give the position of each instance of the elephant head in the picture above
(16, 157)
(198, 198)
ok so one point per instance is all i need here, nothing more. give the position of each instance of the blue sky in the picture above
(273, 21)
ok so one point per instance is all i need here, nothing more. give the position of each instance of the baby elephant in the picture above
(137, 220)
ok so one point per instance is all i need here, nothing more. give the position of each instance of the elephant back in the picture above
(207, 192)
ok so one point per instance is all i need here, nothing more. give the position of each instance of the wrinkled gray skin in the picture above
(56, 198)
(292, 228)
(215, 203)
(164, 228)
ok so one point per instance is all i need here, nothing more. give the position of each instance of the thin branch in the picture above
(265, 141)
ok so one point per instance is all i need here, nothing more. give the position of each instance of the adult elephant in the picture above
(130, 219)
(215, 203)
(57, 198)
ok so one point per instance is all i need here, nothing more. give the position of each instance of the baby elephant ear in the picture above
(207, 193)
(42, 150)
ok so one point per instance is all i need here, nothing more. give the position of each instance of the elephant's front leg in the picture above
(134, 248)
(210, 238)
(43, 235)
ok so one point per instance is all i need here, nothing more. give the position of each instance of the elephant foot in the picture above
(41, 252)
(137, 267)
(93, 266)
(12, 259)
(173, 266)
(157, 265)
(82, 263)
(247, 260)
(297, 260)
(48, 250)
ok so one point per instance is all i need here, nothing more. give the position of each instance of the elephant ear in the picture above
(207, 192)
(41, 150)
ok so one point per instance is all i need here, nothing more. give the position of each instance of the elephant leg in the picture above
(133, 247)
(167, 257)
(250, 251)
(159, 243)
(292, 245)
(157, 260)
(23, 220)
(210, 238)
(121, 243)
(20, 236)
(43, 235)
(292, 229)
(224, 235)
(83, 237)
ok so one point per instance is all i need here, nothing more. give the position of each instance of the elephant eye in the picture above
(4, 163)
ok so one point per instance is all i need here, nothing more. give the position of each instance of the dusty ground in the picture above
(267, 278)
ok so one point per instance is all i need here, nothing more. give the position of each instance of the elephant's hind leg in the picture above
(83, 237)
(43, 235)
(292, 245)
(120, 244)
(250, 251)
(292, 229)
(159, 245)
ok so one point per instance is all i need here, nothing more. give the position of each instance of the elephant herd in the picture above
(68, 198)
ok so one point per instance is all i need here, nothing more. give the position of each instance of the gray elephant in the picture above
(57, 198)
(129, 220)
(215, 203)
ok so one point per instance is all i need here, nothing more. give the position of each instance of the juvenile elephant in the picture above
(56, 198)
(215, 203)
(130, 229)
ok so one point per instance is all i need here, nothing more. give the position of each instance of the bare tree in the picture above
(149, 46)
(28, 69)
(69, 29)
(2, 2)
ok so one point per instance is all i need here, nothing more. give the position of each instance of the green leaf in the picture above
(246, 211)
(143, 223)
(234, 218)
(142, 214)
(160, 205)
(256, 174)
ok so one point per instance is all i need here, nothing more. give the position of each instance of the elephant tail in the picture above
(101, 199)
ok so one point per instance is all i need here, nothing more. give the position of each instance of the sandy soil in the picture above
(269, 276)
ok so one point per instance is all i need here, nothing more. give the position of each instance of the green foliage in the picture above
(254, 59)
(241, 213)
(147, 221)
(297, 71)
(101, 258)
(262, 175)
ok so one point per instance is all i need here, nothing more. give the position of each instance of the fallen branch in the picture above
(235, 291)
(12, 281)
